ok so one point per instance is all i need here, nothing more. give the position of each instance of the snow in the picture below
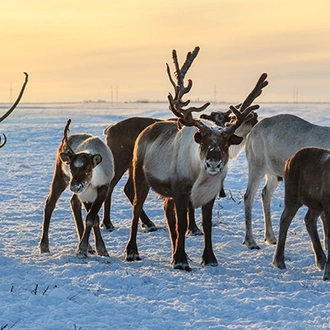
(59, 290)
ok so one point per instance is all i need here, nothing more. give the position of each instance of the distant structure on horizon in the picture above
(295, 94)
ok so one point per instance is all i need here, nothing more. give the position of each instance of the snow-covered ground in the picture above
(58, 290)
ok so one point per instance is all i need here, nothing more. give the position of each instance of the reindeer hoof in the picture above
(133, 257)
(251, 245)
(194, 232)
(181, 266)
(278, 264)
(102, 253)
(149, 228)
(110, 227)
(81, 254)
(270, 241)
(44, 248)
(91, 250)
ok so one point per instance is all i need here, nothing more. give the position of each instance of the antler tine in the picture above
(65, 135)
(189, 59)
(244, 110)
(240, 117)
(176, 102)
(257, 90)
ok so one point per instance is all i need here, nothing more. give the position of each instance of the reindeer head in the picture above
(81, 165)
(214, 141)
(213, 146)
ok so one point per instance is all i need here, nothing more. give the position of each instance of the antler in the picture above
(17, 101)
(4, 142)
(176, 103)
(65, 136)
(244, 110)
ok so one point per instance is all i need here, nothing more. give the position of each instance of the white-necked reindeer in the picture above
(270, 143)
(184, 164)
(307, 182)
(12, 108)
(85, 163)
(121, 137)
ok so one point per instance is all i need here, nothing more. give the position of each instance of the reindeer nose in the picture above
(76, 187)
(213, 167)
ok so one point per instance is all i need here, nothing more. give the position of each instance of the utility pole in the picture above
(11, 92)
(215, 94)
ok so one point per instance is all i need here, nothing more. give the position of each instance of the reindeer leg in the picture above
(100, 245)
(76, 210)
(326, 224)
(288, 214)
(254, 178)
(311, 226)
(92, 220)
(193, 230)
(171, 221)
(147, 224)
(58, 185)
(208, 257)
(267, 193)
(106, 223)
(141, 189)
(325, 234)
(179, 256)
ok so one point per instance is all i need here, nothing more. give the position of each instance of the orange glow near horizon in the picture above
(81, 50)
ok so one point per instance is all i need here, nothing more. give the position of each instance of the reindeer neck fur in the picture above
(204, 187)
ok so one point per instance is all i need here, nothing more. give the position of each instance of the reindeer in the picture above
(121, 137)
(12, 108)
(85, 163)
(307, 182)
(270, 143)
(184, 162)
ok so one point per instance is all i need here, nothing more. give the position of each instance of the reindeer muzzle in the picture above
(76, 187)
(213, 167)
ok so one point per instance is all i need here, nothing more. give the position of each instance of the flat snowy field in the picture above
(58, 290)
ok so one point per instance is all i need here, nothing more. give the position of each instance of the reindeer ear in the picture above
(235, 139)
(96, 159)
(198, 137)
(66, 157)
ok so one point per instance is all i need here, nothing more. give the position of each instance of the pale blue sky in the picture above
(79, 50)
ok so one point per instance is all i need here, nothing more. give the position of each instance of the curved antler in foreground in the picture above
(12, 108)
(4, 142)
(17, 101)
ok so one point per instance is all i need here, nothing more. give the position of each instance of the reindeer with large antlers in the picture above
(184, 162)
(121, 137)
(12, 108)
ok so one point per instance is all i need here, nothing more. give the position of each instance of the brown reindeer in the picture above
(307, 182)
(85, 164)
(184, 161)
(12, 108)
